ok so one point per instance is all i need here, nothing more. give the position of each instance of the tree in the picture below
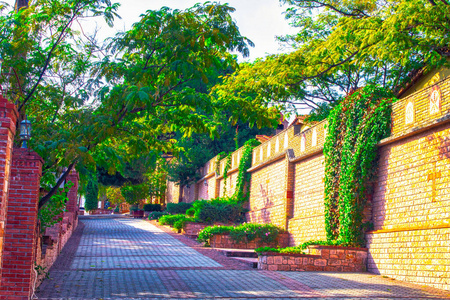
(87, 102)
(344, 45)
(91, 195)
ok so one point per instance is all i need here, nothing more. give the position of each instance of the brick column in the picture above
(21, 226)
(72, 203)
(8, 118)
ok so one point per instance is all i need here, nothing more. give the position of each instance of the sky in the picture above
(258, 20)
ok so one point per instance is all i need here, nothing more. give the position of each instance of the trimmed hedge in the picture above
(176, 221)
(152, 207)
(220, 210)
(296, 249)
(155, 215)
(268, 233)
(178, 208)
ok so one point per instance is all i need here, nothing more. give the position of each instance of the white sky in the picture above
(258, 20)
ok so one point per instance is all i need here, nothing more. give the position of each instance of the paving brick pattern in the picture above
(119, 258)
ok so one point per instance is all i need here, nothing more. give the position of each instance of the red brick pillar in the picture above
(8, 118)
(72, 203)
(19, 253)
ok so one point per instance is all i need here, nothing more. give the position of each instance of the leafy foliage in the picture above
(50, 214)
(92, 105)
(243, 177)
(355, 127)
(152, 207)
(91, 195)
(225, 172)
(178, 208)
(219, 210)
(133, 194)
(176, 221)
(297, 249)
(155, 215)
(341, 46)
(267, 233)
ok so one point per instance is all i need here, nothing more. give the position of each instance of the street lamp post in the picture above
(25, 132)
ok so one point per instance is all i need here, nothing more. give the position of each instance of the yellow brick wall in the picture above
(418, 256)
(307, 222)
(411, 210)
(268, 194)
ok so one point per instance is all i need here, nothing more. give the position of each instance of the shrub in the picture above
(176, 221)
(91, 195)
(155, 215)
(134, 208)
(268, 233)
(190, 212)
(224, 210)
(152, 207)
(279, 250)
(117, 208)
(297, 249)
(178, 208)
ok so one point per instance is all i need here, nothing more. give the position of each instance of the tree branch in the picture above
(49, 57)
(53, 191)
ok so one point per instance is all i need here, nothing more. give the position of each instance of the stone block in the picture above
(320, 262)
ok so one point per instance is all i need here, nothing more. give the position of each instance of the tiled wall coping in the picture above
(289, 153)
(415, 130)
(228, 173)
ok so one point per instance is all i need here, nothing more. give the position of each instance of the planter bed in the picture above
(224, 241)
(191, 229)
(323, 258)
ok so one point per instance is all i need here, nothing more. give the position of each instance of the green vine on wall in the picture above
(225, 171)
(243, 176)
(220, 156)
(355, 127)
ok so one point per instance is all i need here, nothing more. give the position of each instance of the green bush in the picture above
(134, 208)
(223, 210)
(117, 208)
(190, 212)
(176, 221)
(152, 207)
(268, 233)
(155, 215)
(279, 250)
(297, 249)
(178, 208)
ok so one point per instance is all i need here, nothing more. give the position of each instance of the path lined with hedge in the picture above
(121, 258)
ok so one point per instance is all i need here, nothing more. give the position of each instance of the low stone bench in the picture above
(320, 258)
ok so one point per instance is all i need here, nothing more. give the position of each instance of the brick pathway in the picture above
(120, 258)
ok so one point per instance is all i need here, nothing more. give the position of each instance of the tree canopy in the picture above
(343, 45)
(93, 105)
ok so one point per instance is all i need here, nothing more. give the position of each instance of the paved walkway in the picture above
(119, 258)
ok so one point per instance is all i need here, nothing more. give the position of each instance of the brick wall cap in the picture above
(289, 254)
(416, 130)
(277, 157)
(338, 247)
(25, 153)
